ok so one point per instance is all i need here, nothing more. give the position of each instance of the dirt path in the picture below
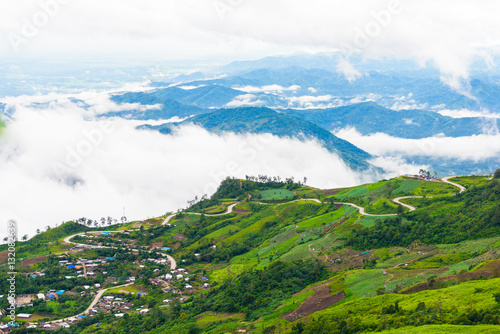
(84, 268)
(309, 246)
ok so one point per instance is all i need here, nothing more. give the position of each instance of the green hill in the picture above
(308, 264)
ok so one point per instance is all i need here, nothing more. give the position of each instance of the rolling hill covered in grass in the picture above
(262, 261)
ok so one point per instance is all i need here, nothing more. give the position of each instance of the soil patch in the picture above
(180, 237)
(157, 244)
(488, 270)
(320, 300)
(33, 260)
(3, 256)
(329, 192)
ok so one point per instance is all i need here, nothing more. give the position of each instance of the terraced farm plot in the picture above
(406, 186)
(471, 180)
(353, 192)
(208, 318)
(327, 243)
(298, 252)
(470, 246)
(215, 209)
(276, 195)
(324, 219)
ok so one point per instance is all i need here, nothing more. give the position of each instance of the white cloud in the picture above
(190, 87)
(46, 181)
(475, 148)
(245, 100)
(314, 102)
(446, 34)
(463, 113)
(267, 89)
(407, 103)
(348, 70)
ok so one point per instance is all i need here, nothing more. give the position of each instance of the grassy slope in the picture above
(301, 226)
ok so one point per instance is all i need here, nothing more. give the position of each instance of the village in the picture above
(104, 273)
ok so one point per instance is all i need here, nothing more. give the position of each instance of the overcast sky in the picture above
(446, 34)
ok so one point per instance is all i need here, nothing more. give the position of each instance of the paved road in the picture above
(229, 210)
(173, 263)
(411, 208)
(94, 302)
(362, 210)
(445, 179)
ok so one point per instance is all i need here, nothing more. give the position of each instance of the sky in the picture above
(41, 186)
(448, 35)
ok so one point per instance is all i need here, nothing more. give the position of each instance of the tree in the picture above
(496, 175)
(298, 328)
(25, 237)
(37, 231)
(400, 210)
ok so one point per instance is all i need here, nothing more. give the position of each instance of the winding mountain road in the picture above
(445, 180)
(94, 302)
(229, 210)
(173, 263)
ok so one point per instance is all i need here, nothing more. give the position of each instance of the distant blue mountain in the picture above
(265, 120)
(383, 86)
(370, 118)
(168, 108)
(205, 96)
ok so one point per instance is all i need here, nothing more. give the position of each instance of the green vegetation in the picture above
(287, 266)
(471, 215)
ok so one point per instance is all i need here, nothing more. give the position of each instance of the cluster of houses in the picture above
(161, 261)
(111, 304)
(177, 275)
(422, 176)
(90, 266)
